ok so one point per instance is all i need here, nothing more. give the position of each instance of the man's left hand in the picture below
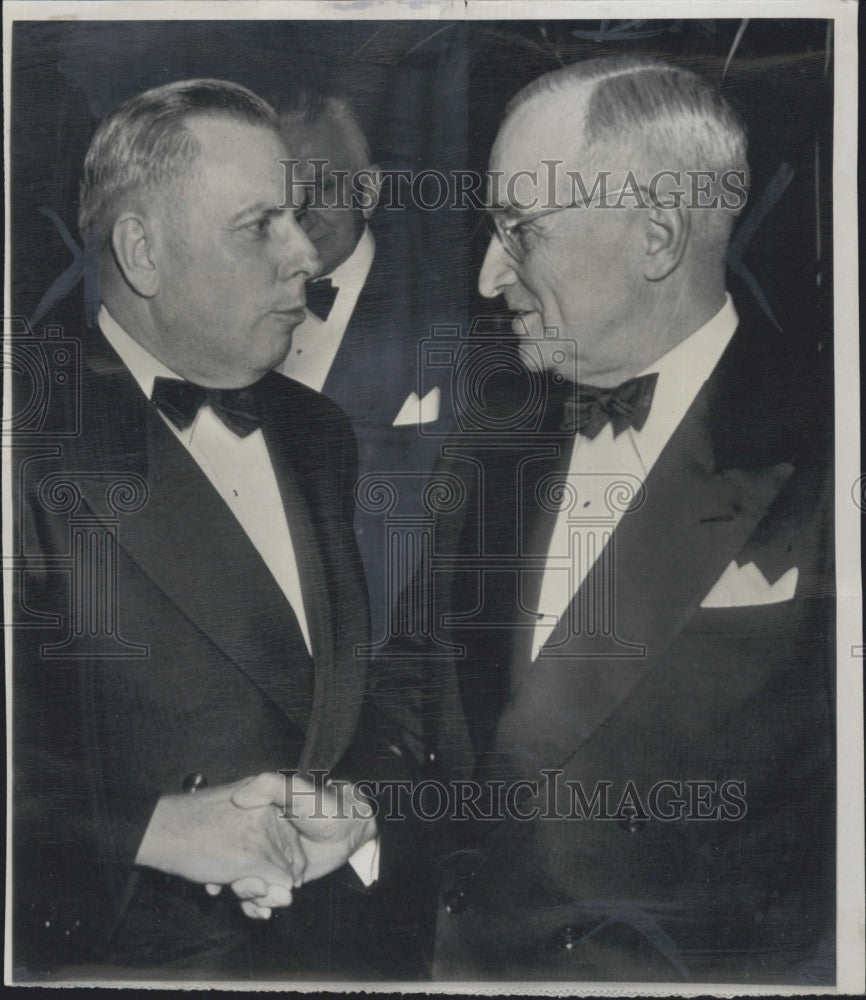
(333, 823)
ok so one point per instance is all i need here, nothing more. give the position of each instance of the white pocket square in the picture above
(419, 411)
(741, 586)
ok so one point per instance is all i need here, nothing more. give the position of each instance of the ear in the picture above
(131, 243)
(371, 188)
(666, 235)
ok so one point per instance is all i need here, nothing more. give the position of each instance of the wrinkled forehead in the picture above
(547, 129)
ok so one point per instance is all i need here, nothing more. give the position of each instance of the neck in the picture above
(657, 324)
(685, 317)
(133, 315)
(677, 311)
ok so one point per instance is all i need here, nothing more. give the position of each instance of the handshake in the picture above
(262, 836)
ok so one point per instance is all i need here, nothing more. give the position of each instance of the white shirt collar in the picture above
(239, 469)
(681, 374)
(627, 460)
(143, 366)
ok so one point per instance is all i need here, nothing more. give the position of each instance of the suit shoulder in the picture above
(770, 398)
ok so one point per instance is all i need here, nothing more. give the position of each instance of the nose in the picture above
(297, 253)
(497, 271)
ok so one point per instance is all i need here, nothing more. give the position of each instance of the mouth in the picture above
(519, 319)
(518, 310)
(293, 317)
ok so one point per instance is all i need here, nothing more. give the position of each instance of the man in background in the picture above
(367, 316)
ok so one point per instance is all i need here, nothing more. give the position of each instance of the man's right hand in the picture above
(206, 838)
(332, 824)
(332, 827)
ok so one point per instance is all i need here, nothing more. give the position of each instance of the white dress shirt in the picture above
(241, 471)
(315, 342)
(581, 529)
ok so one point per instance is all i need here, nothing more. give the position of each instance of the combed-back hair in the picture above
(145, 143)
(655, 113)
(668, 107)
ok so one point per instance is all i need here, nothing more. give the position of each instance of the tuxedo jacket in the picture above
(641, 688)
(381, 361)
(153, 646)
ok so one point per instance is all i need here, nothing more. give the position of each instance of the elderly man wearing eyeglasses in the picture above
(633, 604)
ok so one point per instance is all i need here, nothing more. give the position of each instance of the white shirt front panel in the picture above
(585, 522)
(239, 469)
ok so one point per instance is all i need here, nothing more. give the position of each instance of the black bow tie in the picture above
(180, 401)
(588, 408)
(320, 297)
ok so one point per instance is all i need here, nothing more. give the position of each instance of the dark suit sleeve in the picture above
(377, 752)
(74, 842)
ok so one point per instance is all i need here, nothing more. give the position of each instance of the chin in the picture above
(279, 356)
(552, 356)
(530, 354)
(330, 264)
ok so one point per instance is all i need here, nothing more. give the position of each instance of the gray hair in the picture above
(657, 112)
(310, 108)
(145, 143)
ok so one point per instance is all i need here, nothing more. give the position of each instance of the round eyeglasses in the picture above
(513, 232)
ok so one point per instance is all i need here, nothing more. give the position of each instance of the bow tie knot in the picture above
(180, 401)
(589, 408)
(320, 297)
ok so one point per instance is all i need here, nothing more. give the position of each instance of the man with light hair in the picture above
(216, 598)
(635, 583)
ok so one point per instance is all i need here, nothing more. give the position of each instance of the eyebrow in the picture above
(255, 210)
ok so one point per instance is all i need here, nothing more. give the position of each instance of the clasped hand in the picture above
(263, 837)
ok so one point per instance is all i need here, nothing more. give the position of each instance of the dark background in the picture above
(430, 94)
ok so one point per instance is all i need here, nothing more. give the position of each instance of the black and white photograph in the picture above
(432, 496)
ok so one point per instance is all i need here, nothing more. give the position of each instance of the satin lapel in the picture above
(308, 446)
(190, 545)
(680, 533)
(497, 557)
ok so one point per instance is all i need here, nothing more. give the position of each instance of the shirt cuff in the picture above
(365, 861)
